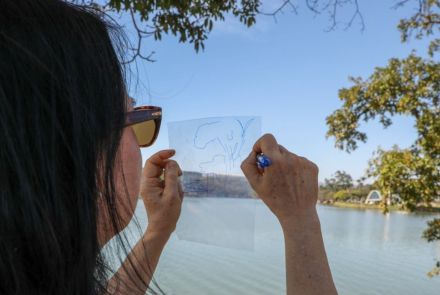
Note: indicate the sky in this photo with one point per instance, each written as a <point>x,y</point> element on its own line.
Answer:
<point>287,71</point>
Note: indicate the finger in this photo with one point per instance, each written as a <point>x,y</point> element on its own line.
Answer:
<point>266,144</point>
<point>171,178</point>
<point>180,170</point>
<point>180,189</point>
<point>156,163</point>
<point>250,168</point>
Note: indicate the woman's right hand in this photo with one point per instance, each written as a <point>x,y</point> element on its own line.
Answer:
<point>289,186</point>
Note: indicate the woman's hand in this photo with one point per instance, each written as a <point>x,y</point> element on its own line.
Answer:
<point>161,192</point>
<point>289,186</point>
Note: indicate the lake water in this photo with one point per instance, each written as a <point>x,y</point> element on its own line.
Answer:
<point>369,253</point>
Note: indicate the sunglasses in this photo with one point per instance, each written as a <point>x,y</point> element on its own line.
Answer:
<point>145,121</point>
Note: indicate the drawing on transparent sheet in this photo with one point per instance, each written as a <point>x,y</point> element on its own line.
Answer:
<point>210,152</point>
<point>230,140</point>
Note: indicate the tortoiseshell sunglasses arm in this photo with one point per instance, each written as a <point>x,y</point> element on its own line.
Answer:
<point>143,113</point>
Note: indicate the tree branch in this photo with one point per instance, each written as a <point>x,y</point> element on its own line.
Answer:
<point>193,20</point>
<point>141,34</point>
<point>280,10</point>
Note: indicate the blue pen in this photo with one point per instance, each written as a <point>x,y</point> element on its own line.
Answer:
<point>263,161</point>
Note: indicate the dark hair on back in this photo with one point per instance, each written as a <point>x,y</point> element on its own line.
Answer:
<point>62,113</point>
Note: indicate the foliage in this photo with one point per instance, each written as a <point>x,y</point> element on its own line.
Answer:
<point>192,21</point>
<point>424,23</point>
<point>360,192</point>
<point>406,173</point>
<point>432,233</point>
<point>343,195</point>
<point>189,20</point>
<point>435,271</point>
<point>341,180</point>
<point>409,87</point>
<point>340,188</point>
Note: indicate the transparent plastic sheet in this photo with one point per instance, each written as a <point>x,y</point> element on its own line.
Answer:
<point>210,152</point>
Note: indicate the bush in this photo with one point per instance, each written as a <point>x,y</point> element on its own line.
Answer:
<point>343,195</point>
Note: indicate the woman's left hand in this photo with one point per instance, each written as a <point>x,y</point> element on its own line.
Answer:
<point>162,192</point>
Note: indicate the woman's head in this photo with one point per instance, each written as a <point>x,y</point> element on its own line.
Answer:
<point>62,114</point>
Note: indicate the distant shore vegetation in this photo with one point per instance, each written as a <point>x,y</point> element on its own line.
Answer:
<point>196,184</point>
<point>341,191</point>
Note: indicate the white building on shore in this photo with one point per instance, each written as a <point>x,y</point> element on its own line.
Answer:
<point>375,197</point>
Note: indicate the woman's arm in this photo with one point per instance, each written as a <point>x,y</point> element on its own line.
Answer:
<point>162,195</point>
<point>289,187</point>
<point>307,269</point>
<point>135,274</point>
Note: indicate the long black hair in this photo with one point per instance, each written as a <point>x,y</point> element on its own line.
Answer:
<point>62,113</point>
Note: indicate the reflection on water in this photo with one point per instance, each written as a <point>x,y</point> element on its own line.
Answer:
<point>369,253</point>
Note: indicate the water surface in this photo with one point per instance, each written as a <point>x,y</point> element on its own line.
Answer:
<point>369,253</point>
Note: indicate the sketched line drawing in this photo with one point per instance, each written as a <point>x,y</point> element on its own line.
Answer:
<point>228,134</point>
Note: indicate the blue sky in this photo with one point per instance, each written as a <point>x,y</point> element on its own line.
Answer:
<point>288,72</point>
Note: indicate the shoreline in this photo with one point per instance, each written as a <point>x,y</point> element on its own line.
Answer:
<point>360,206</point>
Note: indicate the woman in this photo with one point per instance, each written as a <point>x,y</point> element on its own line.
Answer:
<point>71,165</point>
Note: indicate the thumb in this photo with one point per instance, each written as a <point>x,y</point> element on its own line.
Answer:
<point>172,172</point>
<point>251,170</point>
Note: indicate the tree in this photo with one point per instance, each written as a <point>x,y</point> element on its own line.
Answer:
<point>192,21</point>
<point>410,87</point>
<point>424,23</point>
<point>342,195</point>
<point>432,234</point>
<point>404,172</point>
<point>341,180</point>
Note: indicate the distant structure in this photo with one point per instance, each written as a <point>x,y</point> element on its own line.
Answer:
<point>374,197</point>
